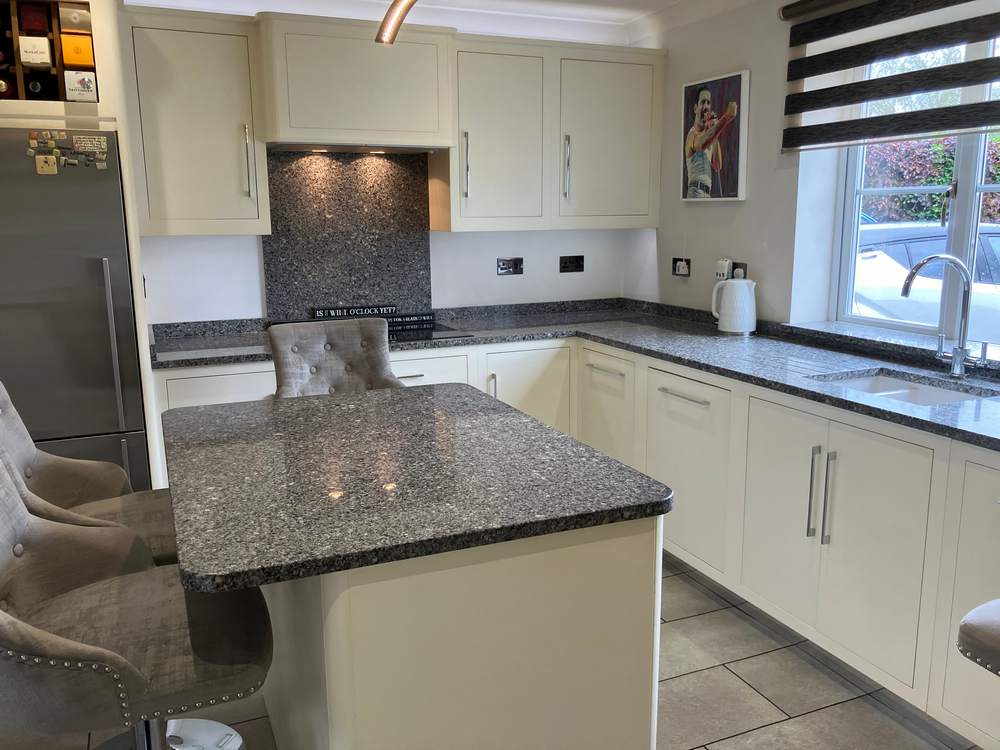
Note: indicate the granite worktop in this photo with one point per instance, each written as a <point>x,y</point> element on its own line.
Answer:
<point>331,483</point>
<point>786,359</point>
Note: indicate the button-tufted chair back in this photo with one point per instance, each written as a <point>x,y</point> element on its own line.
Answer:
<point>14,435</point>
<point>336,356</point>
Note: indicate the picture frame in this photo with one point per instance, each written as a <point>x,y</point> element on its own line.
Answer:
<point>717,172</point>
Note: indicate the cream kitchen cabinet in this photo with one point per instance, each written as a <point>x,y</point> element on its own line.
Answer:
<point>533,380</point>
<point>839,516</point>
<point>687,448</point>
<point>328,82</point>
<point>964,690</point>
<point>609,152</point>
<point>203,168</point>
<point>607,405</point>
<point>496,175</point>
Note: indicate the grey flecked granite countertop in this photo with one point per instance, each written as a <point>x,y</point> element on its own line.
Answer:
<point>773,363</point>
<point>273,490</point>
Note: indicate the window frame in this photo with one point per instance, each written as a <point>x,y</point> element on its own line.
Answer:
<point>963,221</point>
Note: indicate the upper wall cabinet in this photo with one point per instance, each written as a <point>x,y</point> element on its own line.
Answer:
<point>550,136</point>
<point>202,168</point>
<point>328,82</point>
<point>607,141</point>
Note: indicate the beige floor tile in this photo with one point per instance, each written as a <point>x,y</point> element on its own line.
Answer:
<point>673,565</point>
<point>795,682</point>
<point>860,724</point>
<point>712,639</point>
<point>707,706</point>
<point>682,597</point>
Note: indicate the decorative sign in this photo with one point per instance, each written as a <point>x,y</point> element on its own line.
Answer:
<point>370,311</point>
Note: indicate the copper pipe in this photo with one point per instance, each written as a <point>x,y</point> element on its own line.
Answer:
<point>393,20</point>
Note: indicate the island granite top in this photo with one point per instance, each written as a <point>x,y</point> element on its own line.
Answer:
<point>274,490</point>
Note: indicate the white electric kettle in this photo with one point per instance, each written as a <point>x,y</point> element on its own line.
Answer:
<point>737,313</point>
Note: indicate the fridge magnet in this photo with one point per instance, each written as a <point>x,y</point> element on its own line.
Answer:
<point>715,138</point>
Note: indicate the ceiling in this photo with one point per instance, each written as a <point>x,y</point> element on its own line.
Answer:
<point>578,20</point>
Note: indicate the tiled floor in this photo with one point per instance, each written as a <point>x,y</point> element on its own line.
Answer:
<point>731,678</point>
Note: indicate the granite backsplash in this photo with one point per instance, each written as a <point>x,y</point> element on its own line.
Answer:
<point>347,229</point>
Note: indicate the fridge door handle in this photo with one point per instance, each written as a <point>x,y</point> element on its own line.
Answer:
<point>126,462</point>
<point>109,302</point>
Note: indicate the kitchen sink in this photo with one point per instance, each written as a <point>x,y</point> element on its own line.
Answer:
<point>908,387</point>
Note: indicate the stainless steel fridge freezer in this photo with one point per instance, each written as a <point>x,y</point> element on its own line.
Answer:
<point>68,349</point>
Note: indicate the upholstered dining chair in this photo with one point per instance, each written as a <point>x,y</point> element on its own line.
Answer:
<point>94,489</point>
<point>331,356</point>
<point>94,637</point>
<point>979,636</point>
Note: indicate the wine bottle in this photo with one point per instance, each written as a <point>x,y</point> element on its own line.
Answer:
<point>8,84</point>
<point>40,85</point>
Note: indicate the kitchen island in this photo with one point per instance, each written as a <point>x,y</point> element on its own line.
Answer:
<point>442,571</point>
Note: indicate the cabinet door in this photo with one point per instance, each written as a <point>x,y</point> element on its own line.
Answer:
<point>687,448</point>
<point>197,125</point>
<point>784,488</point>
<point>971,692</point>
<point>535,381</point>
<point>873,540</point>
<point>500,135</point>
<point>606,138</point>
<point>607,405</point>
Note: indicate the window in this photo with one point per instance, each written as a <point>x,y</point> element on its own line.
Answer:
<point>908,199</point>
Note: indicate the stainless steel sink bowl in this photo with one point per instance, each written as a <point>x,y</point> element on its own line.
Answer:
<point>909,387</point>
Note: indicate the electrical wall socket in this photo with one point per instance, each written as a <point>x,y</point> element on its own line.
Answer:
<point>741,266</point>
<point>570,264</point>
<point>510,266</point>
<point>681,267</point>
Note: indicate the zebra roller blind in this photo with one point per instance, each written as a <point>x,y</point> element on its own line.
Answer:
<point>890,70</point>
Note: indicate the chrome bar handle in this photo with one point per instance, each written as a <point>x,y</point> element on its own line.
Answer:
<point>408,377</point>
<point>126,462</point>
<point>941,339</point>
<point>567,166</point>
<point>465,137</point>
<point>496,384</point>
<point>109,303</point>
<point>605,370</point>
<point>830,458</point>
<point>810,529</point>
<point>684,397</point>
<point>246,146</point>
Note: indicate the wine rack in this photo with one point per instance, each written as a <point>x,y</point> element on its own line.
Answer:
<point>39,72</point>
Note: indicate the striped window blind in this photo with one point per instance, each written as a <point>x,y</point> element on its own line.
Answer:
<point>876,70</point>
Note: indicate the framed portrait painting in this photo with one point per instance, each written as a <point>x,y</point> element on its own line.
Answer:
<point>715,138</point>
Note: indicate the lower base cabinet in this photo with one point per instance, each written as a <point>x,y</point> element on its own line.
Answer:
<point>838,515</point>
<point>535,381</point>
<point>970,692</point>
<point>687,447</point>
<point>607,405</point>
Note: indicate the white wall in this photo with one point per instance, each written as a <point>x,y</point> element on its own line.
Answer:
<point>760,230</point>
<point>202,278</point>
<point>463,266</point>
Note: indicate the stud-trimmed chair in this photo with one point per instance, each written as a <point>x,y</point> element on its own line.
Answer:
<point>331,356</point>
<point>979,636</point>
<point>94,489</point>
<point>94,637</point>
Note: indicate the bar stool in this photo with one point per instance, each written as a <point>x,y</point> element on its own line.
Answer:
<point>95,489</point>
<point>94,637</point>
<point>331,356</point>
<point>979,636</point>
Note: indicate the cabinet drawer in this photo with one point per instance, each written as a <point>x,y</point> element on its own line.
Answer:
<point>220,389</point>
<point>687,447</point>
<point>432,370</point>
<point>607,405</point>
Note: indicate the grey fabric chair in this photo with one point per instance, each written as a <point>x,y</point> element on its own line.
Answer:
<point>94,637</point>
<point>331,356</point>
<point>94,489</point>
<point>979,636</point>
